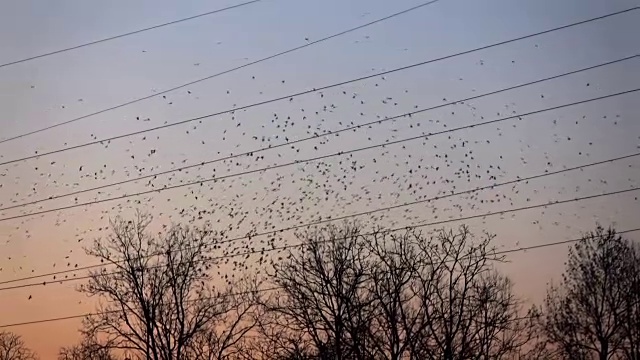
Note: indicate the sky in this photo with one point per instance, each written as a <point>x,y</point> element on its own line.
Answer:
<point>54,89</point>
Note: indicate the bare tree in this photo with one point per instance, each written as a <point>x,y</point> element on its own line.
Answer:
<point>157,300</point>
<point>225,337</point>
<point>537,348</point>
<point>500,330</point>
<point>275,341</point>
<point>469,309</point>
<point>594,310</point>
<point>631,320</point>
<point>396,328</point>
<point>393,295</point>
<point>87,349</point>
<point>12,347</point>
<point>321,309</point>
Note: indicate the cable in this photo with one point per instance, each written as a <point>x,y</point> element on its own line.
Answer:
<point>114,311</point>
<point>275,99</point>
<point>297,162</point>
<point>488,214</point>
<point>367,212</point>
<point>90,314</point>
<point>224,72</point>
<point>318,222</point>
<point>127,34</point>
<point>526,248</point>
<point>353,215</point>
<point>288,96</point>
<point>47,320</point>
<point>308,138</point>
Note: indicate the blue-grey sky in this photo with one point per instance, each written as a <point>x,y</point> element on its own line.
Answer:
<point>50,90</point>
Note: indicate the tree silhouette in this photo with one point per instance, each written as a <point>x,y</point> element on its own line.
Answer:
<point>392,295</point>
<point>398,323</point>
<point>470,311</point>
<point>631,323</point>
<point>158,300</point>
<point>87,349</point>
<point>322,307</point>
<point>12,347</point>
<point>594,310</point>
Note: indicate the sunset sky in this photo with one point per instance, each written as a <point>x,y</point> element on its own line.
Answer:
<point>57,88</point>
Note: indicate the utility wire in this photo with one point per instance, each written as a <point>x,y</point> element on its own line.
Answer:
<point>319,222</point>
<point>349,128</point>
<point>127,34</point>
<point>223,72</point>
<point>114,311</point>
<point>275,99</point>
<point>477,189</point>
<point>359,214</point>
<point>482,215</point>
<point>298,162</point>
<point>525,248</point>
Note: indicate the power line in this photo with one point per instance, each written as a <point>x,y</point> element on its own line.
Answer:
<point>127,34</point>
<point>482,215</point>
<point>319,222</point>
<point>224,72</point>
<point>275,99</point>
<point>492,186</point>
<point>349,128</point>
<point>297,162</point>
<point>114,311</point>
<point>525,248</point>
<point>359,214</point>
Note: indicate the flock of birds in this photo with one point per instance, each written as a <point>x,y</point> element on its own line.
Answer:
<point>258,175</point>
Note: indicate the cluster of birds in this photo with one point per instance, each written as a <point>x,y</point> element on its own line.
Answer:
<point>248,174</point>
